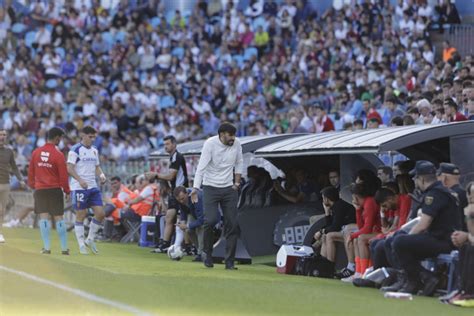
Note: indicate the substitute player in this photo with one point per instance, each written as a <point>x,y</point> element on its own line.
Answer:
<point>47,175</point>
<point>83,167</point>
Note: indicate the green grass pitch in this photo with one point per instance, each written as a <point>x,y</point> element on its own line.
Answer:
<point>154,284</point>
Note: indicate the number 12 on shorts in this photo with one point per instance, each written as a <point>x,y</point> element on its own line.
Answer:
<point>80,197</point>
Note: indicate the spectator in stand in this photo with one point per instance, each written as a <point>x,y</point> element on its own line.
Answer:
<point>451,111</point>
<point>321,121</point>
<point>308,62</point>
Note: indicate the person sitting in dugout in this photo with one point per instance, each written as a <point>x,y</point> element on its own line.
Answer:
<point>431,236</point>
<point>338,213</point>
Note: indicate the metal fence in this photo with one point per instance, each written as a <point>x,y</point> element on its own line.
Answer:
<point>461,36</point>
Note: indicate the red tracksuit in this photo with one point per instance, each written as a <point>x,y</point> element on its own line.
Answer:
<point>48,169</point>
<point>367,218</point>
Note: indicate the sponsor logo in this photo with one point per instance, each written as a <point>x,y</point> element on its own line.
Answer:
<point>45,164</point>
<point>44,156</point>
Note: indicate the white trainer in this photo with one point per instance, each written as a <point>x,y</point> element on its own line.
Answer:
<point>83,250</point>
<point>12,223</point>
<point>2,239</point>
<point>92,246</point>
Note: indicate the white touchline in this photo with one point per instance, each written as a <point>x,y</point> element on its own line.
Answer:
<point>77,292</point>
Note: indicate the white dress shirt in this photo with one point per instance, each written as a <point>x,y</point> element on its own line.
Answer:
<point>218,163</point>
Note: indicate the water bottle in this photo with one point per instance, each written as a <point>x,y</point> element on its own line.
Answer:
<point>400,296</point>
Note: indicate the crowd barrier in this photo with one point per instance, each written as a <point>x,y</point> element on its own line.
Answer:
<point>461,36</point>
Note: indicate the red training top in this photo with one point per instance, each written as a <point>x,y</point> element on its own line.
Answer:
<point>367,218</point>
<point>404,207</point>
<point>48,169</point>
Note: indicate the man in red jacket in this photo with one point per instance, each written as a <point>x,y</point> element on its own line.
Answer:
<point>48,176</point>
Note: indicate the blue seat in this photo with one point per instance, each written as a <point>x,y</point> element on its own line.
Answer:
<point>169,16</point>
<point>260,21</point>
<point>30,38</point>
<point>108,38</point>
<point>166,101</point>
<point>51,84</point>
<point>120,37</point>
<point>178,52</point>
<point>60,51</point>
<point>239,59</point>
<point>249,52</point>
<point>451,261</point>
<point>155,22</point>
<point>18,28</point>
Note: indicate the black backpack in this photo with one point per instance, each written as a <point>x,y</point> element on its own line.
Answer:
<point>314,266</point>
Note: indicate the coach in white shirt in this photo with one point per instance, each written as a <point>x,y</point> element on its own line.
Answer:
<point>219,171</point>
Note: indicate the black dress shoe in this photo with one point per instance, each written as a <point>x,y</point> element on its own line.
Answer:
<point>230,266</point>
<point>411,286</point>
<point>430,283</point>
<point>395,287</point>
<point>359,282</point>
<point>208,261</point>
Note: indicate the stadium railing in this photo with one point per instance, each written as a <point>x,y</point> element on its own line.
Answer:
<point>461,36</point>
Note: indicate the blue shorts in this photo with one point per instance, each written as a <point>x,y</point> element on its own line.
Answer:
<point>84,199</point>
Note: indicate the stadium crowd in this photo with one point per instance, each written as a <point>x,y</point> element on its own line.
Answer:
<point>137,72</point>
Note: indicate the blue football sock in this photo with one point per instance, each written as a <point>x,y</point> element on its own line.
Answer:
<point>45,227</point>
<point>62,233</point>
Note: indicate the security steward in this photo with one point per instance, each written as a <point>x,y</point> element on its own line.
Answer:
<point>449,174</point>
<point>431,236</point>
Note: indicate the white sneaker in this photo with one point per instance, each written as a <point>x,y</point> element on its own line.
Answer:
<point>357,275</point>
<point>2,239</point>
<point>12,223</point>
<point>83,250</point>
<point>91,244</point>
<point>348,279</point>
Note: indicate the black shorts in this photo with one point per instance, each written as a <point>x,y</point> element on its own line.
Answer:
<point>49,201</point>
<point>173,203</point>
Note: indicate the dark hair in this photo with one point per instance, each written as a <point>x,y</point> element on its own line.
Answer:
<point>383,194</point>
<point>331,193</point>
<point>405,183</point>
<point>55,132</point>
<point>170,138</point>
<point>178,190</point>
<point>397,121</point>
<point>358,122</point>
<point>360,190</point>
<point>227,127</point>
<point>393,186</point>
<point>370,181</point>
<point>437,102</point>
<point>413,110</point>
<point>387,170</point>
<point>408,120</point>
<point>89,130</point>
<point>116,178</point>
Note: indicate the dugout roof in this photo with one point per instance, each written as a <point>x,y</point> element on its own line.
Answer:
<point>249,145</point>
<point>415,141</point>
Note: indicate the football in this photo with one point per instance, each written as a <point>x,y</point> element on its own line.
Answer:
<point>175,253</point>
